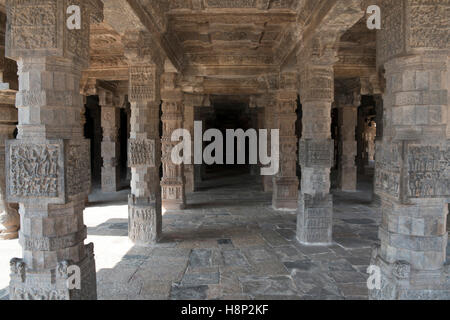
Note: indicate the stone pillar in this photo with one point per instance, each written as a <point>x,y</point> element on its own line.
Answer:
<point>285,183</point>
<point>128,113</point>
<point>376,200</point>
<point>48,167</point>
<point>9,216</point>
<point>144,205</point>
<point>252,114</point>
<point>267,102</point>
<point>361,142</point>
<point>314,221</point>
<point>189,171</point>
<point>348,116</point>
<point>110,120</point>
<point>173,181</point>
<point>412,176</point>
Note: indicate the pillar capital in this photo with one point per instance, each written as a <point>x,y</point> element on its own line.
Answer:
<point>348,93</point>
<point>412,27</point>
<point>39,29</point>
<point>141,49</point>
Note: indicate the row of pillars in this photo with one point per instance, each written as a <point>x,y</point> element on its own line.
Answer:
<point>411,170</point>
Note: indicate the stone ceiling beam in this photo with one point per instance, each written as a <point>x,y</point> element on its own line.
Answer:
<point>171,48</point>
<point>330,16</point>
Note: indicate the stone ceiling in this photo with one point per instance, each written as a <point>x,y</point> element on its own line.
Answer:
<point>225,38</point>
<point>230,44</point>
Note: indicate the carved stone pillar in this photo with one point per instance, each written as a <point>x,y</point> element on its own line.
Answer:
<point>9,216</point>
<point>413,159</point>
<point>110,120</point>
<point>267,102</point>
<point>347,104</point>
<point>361,157</point>
<point>188,119</point>
<point>285,183</point>
<point>144,145</point>
<point>128,113</point>
<point>252,113</point>
<point>145,220</point>
<point>314,221</point>
<point>48,166</point>
<point>173,181</point>
<point>378,139</point>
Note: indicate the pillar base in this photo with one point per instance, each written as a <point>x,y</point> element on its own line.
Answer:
<point>348,179</point>
<point>53,284</point>
<point>144,220</point>
<point>400,282</point>
<point>376,200</point>
<point>174,205</point>
<point>315,219</point>
<point>268,183</point>
<point>110,179</point>
<point>285,194</point>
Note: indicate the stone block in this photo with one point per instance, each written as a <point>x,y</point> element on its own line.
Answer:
<point>314,219</point>
<point>144,219</point>
<point>53,284</point>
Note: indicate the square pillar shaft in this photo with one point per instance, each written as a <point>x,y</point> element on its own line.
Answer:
<point>48,166</point>
<point>285,183</point>
<point>144,149</point>
<point>315,212</point>
<point>412,176</point>
<point>110,120</point>
<point>173,181</point>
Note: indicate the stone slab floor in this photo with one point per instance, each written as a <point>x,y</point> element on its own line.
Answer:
<point>228,244</point>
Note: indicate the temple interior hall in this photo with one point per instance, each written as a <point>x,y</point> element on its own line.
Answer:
<point>355,117</point>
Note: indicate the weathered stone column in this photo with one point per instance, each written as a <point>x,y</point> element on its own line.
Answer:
<point>48,166</point>
<point>173,181</point>
<point>267,102</point>
<point>9,216</point>
<point>188,119</point>
<point>314,221</point>
<point>376,200</point>
<point>110,120</point>
<point>413,159</point>
<point>347,103</point>
<point>144,145</point>
<point>285,183</point>
<point>128,112</point>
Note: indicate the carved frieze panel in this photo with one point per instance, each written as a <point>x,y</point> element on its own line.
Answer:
<point>142,83</point>
<point>408,25</point>
<point>78,173</point>
<point>35,171</point>
<point>318,153</point>
<point>317,83</point>
<point>141,152</point>
<point>428,171</point>
<point>38,28</point>
<point>430,26</point>
<point>231,3</point>
<point>388,169</point>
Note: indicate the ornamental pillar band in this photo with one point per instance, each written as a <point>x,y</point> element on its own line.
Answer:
<point>50,141</point>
